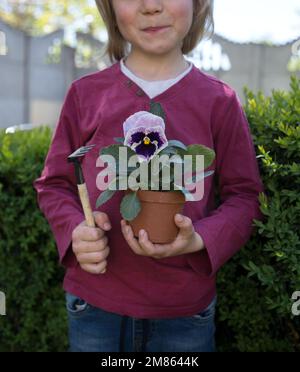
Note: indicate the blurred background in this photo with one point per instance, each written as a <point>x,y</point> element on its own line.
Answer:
<point>45,45</point>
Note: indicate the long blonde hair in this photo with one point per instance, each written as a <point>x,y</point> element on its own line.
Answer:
<point>116,46</point>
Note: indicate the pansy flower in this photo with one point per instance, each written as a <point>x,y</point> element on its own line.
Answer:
<point>145,134</point>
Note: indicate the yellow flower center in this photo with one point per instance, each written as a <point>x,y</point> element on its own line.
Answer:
<point>147,141</point>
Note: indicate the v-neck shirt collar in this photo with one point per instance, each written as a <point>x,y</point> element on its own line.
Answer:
<point>140,87</point>
<point>153,88</point>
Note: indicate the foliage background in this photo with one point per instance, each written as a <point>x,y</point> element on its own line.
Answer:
<point>40,17</point>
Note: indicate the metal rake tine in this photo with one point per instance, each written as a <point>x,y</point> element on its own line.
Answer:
<point>77,155</point>
<point>85,149</point>
<point>80,153</point>
<point>82,150</point>
<point>89,147</point>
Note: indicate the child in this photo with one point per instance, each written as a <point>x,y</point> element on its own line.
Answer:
<point>125,293</point>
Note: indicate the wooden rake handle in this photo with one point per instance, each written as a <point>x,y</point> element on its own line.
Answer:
<point>85,201</point>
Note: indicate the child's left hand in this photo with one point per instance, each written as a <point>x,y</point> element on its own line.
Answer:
<point>187,240</point>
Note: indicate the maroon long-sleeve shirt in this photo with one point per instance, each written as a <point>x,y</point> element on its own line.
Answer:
<point>199,109</point>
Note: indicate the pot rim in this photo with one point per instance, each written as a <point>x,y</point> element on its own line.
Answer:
<point>166,197</point>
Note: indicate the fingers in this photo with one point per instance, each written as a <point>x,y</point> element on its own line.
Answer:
<point>155,251</point>
<point>185,224</point>
<point>143,246</point>
<point>89,244</point>
<point>90,247</point>
<point>95,268</point>
<point>86,233</point>
<point>102,221</point>
<point>93,257</point>
<point>129,237</point>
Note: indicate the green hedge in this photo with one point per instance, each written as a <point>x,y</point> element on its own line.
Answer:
<point>29,274</point>
<point>257,286</point>
<point>254,289</point>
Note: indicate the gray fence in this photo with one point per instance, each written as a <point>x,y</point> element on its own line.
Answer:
<point>35,72</point>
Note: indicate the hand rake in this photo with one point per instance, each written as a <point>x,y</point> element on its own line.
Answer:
<point>82,189</point>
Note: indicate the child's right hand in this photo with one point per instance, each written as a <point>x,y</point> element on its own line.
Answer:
<point>90,244</point>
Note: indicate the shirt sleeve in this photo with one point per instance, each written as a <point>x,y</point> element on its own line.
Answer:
<point>56,188</point>
<point>228,228</point>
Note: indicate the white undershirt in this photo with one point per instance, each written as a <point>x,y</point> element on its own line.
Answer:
<point>153,88</point>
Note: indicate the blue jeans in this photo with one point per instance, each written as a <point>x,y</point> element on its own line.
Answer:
<point>94,330</point>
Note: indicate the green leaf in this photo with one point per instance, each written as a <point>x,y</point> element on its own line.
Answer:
<point>198,177</point>
<point>194,150</point>
<point>113,187</point>
<point>186,193</point>
<point>156,109</point>
<point>130,206</point>
<point>130,152</point>
<point>126,172</point>
<point>112,150</point>
<point>120,140</point>
<point>177,144</point>
<point>168,151</point>
<point>104,197</point>
<point>209,154</point>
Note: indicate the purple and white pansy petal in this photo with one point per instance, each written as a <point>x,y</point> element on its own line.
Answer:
<point>146,142</point>
<point>145,134</point>
<point>143,119</point>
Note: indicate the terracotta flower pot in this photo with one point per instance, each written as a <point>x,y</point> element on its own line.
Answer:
<point>157,215</point>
